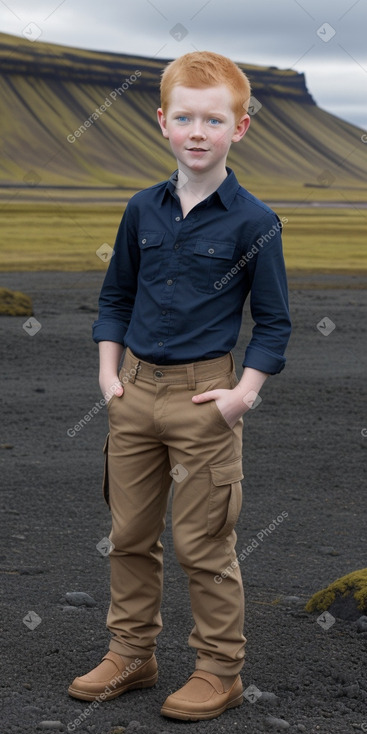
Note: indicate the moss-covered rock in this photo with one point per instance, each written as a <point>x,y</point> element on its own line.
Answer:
<point>15,303</point>
<point>345,598</point>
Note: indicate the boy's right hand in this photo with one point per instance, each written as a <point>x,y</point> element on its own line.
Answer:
<point>109,359</point>
<point>110,386</point>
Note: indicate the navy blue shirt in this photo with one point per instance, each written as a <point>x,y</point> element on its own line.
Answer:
<point>175,286</point>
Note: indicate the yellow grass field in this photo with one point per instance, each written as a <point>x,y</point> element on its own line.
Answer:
<point>55,236</point>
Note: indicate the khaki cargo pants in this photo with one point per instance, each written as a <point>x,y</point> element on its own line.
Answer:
<point>157,434</point>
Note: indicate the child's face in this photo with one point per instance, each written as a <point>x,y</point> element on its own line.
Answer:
<point>201,118</point>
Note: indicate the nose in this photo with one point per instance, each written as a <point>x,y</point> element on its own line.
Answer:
<point>197,131</point>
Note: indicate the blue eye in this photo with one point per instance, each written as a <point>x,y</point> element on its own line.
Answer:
<point>214,119</point>
<point>181,117</point>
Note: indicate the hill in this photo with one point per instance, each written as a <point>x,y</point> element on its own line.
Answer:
<point>76,118</point>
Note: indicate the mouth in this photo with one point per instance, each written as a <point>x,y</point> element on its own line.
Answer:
<point>197,150</point>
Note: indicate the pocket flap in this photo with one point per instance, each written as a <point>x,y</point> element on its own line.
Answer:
<point>150,239</point>
<point>210,248</point>
<point>227,473</point>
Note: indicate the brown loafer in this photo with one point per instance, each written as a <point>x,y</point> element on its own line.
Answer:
<point>202,697</point>
<point>113,676</point>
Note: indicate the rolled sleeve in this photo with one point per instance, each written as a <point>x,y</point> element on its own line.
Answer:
<point>269,302</point>
<point>117,297</point>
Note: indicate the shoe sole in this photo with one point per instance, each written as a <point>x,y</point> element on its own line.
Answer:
<point>87,696</point>
<point>191,716</point>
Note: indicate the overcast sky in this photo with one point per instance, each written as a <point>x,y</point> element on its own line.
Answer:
<point>326,39</point>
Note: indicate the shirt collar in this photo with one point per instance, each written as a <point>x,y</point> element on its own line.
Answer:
<point>225,192</point>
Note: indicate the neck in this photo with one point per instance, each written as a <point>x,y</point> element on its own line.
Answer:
<point>197,185</point>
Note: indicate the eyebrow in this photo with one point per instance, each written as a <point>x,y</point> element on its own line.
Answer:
<point>211,114</point>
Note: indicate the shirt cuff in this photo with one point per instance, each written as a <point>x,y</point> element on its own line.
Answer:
<point>264,361</point>
<point>109,331</point>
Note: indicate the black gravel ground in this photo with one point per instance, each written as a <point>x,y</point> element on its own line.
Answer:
<point>303,455</point>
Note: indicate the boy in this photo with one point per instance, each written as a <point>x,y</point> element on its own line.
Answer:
<point>187,254</point>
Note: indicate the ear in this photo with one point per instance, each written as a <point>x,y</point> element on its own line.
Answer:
<point>162,122</point>
<point>241,128</point>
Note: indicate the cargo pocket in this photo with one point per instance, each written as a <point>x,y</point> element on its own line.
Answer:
<point>105,485</point>
<point>225,499</point>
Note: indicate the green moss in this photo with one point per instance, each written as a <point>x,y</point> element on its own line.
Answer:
<point>15,303</point>
<point>353,583</point>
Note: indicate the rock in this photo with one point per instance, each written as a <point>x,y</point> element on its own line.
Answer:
<point>362,624</point>
<point>291,600</point>
<point>79,599</point>
<point>55,725</point>
<point>15,303</point>
<point>277,724</point>
<point>132,727</point>
<point>268,697</point>
<point>350,691</point>
<point>31,571</point>
<point>345,598</point>
<point>345,607</point>
<point>328,550</point>
<point>28,686</point>
<point>301,727</point>
<point>117,730</point>
<point>342,676</point>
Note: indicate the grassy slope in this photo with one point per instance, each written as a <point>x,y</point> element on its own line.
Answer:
<point>291,141</point>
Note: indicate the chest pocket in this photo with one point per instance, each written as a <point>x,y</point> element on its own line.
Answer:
<point>150,253</point>
<point>211,261</point>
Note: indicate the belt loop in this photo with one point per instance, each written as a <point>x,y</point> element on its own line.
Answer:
<point>134,371</point>
<point>191,383</point>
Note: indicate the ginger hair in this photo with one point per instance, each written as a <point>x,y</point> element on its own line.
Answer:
<point>201,69</point>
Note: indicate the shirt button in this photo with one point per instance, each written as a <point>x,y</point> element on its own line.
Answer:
<point>169,282</point>
<point>143,241</point>
<point>177,219</point>
<point>158,373</point>
<point>163,313</point>
<point>160,344</point>
<point>211,251</point>
<point>177,246</point>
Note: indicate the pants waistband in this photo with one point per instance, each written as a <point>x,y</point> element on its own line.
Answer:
<point>134,368</point>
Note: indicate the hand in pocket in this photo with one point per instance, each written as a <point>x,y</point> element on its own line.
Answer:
<point>111,387</point>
